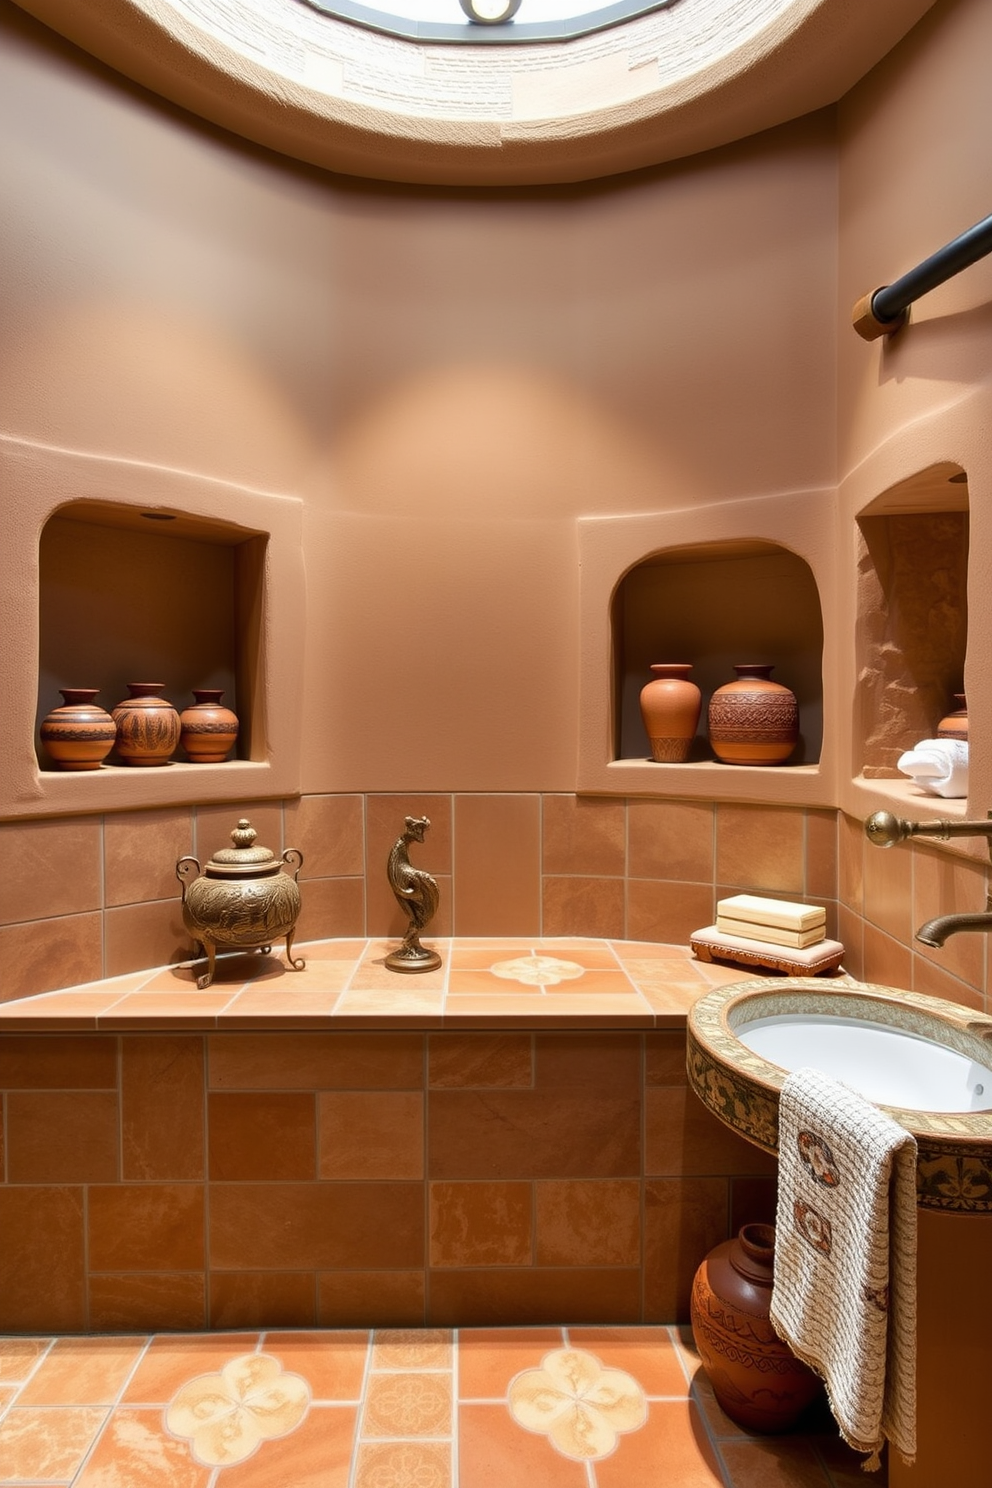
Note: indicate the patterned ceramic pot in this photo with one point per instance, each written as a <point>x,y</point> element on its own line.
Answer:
<point>80,735</point>
<point>147,726</point>
<point>955,725</point>
<point>755,1376</point>
<point>208,730</point>
<point>753,721</point>
<point>670,708</point>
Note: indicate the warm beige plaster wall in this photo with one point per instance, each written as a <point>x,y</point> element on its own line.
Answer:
<point>913,174</point>
<point>447,378</point>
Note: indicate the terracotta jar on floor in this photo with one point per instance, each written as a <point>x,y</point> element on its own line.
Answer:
<point>209,730</point>
<point>79,735</point>
<point>756,1378</point>
<point>147,726</point>
<point>753,721</point>
<point>670,708</point>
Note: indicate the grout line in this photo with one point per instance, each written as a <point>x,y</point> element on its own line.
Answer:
<point>455,1433</point>
<point>113,1407</point>
<point>360,1412</point>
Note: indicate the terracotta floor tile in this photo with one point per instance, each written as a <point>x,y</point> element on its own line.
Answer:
<point>171,1359</point>
<point>778,1462</point>
<point>596,981</point>
<point>316,1455</point>
<point>136,1451</point>
<point>83,1371</point>
<point>483,982</point>
<point>494,1452</point>
<point>412,1348</point>
<point>350,951</point>
<point>7,1394</point>
<point>649,1354</point>
<point>480,957</point>
<point>418,1464</point>
<point>19,1356</point>
<point>48,1444</point>
<point>408,1405</point>
<point>141,1010</point>
<point>374,976</point>
<point>421,1007</point>
<point>488,1358</point>
<point>672,1446</point>
<point>332,1362</point>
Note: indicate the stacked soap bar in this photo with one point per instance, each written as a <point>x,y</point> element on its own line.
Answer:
<point>775,921</point>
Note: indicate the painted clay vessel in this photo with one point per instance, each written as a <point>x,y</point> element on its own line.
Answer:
<point>242,900</point>
<point>755,1376</point>
<point>208,730</point>
<point>670,708</point>
<point>955,725</point>
<point>753,721</point>
<point>79,735</point>
<point>147,726</point>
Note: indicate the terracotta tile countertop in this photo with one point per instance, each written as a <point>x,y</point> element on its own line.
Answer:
<point>529,982</point>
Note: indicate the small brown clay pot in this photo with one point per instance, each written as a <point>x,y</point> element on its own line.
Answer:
<point>955,725</point>
<point>753,721</point>
<point>80,735</point>
<point>670,708</point>
<point>147,726</point>
<point>209,730</point>
<point>756,1378</point>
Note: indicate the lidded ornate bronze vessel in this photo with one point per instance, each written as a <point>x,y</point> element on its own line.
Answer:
<point>242,901</point>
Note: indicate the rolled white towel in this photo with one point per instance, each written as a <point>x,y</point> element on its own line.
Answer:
<point>939,766</point>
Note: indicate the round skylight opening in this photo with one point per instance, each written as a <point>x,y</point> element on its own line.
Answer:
<point>504,21</point>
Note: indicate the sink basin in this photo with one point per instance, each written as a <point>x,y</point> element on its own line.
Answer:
<point>888,1065</point>
<point>927,1062</point>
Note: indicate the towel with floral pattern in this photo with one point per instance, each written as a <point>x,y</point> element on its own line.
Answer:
<point>844,1294</point>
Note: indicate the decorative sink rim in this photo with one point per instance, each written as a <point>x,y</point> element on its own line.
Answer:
<point>954,1164</point>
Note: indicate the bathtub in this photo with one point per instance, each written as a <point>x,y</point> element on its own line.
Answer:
<point>509,1139</point>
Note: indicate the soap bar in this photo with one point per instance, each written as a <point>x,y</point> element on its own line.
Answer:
<point>772,934</point>
<point>780,912</point>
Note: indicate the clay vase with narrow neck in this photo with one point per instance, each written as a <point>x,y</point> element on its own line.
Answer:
<point>756,1378</point>
<point>753,721</point>
<point>79,735</point>
<point>670,708</point>
<point>208,730</point>
<point>147,726</point>
<point>955,725</point>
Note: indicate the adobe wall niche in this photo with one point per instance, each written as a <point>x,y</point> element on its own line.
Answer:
<point>912,628</point>
<point>95,595</point>
<point>755,575</point>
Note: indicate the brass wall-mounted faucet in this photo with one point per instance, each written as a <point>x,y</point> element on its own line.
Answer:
<point>885,830</point>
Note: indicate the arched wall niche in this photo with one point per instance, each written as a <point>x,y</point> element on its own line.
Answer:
<point>912,613</point>
<point>757,583</point>
<point>714,605</point>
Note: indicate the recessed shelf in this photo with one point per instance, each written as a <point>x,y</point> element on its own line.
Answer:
<point>213,596</point>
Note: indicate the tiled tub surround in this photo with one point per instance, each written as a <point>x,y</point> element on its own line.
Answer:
<point>94,896</point>
<point>440,1408</point>
<point>328,1147</point>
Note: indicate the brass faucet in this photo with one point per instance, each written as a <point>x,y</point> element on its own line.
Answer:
<point>885,830</point>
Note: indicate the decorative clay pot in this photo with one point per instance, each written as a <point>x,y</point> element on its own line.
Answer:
<point>80,735</point>
<point>147,726</point>
<point>670,707</point>
<point>209,731</point>
<point>955,725</point>
<point>756,1378</point>
<point>243,900</point>
<point>753,721</point>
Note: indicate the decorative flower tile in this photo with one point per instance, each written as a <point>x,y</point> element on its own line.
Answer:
<point>226,1416</point>
<point>537,971</point>
<point>579,1405</point>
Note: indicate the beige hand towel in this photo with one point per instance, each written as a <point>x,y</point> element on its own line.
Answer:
<point>844,1295</point>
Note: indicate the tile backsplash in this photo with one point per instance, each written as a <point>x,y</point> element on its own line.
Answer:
<point>96,896</point>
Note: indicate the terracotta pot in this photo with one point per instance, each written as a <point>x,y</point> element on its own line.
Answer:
<point>209,730</point>
<point>755,1376</point>
<point>955,725</point>
<point>80,735</point>
<point>147,726</point>
<point>753,721</point>
<point>670,707</point>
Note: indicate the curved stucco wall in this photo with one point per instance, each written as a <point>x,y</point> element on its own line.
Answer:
<point>694,75</point>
